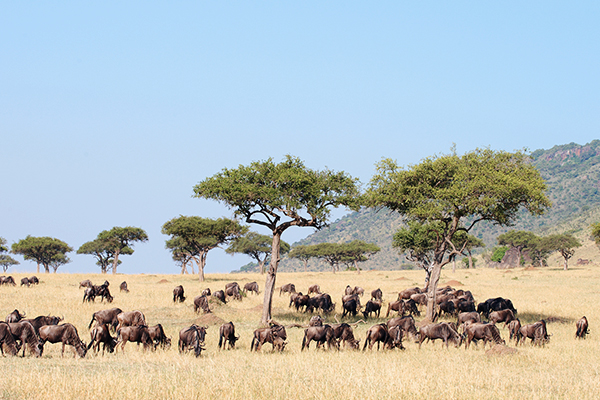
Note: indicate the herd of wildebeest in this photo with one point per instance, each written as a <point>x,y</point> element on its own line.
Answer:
<point>19,332</point>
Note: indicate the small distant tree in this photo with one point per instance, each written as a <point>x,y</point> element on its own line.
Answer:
<point>565,244</point>
<point>358,251</point>
<point>194,237</point>
<point>519,240</point>
<point>256,246</point>
<point>6,261</point>
<point>331,253</point>
<point>120,240</point>
<point>103,251</point>
<point>303,253</point>
<point>596,233</point>
<point>46,251</point>
<point>540,249</point>
<point>498,253</point>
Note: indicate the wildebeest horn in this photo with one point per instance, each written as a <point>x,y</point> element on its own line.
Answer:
<point>205,327</point>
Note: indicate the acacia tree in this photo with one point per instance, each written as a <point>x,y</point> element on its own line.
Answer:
<point>256,246</point>
<point>482,185</point>
<point>6,261</point>
<point>596,233</point>
<point>520,240</point>
<point>279,196</point>
<point>565,244</point>
<point>331,253</point>
<point>119,241</point>
<point>46,251</point>
<point>303,253</point>
<point>358,251</point>
<point>468,243</point>
<point>103,251</point>
<point>196,236</point>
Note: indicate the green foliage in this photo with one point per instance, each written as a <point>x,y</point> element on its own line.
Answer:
<point>50,252</point>
<point>465,261</point>
<point>565,244</point>
<point>6,261</point>
<point>518,239</point>
<point>339,253</point>
<point>119,240</point>
<point>498,253</point>
<point>596,233</point>
<point>257,246</point>
<point>103,251</point>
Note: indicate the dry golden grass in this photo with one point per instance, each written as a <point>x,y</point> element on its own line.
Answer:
<point>566,368</point>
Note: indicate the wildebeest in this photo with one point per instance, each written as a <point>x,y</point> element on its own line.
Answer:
<point>24,332</point>
<point>287,288</point>
<point>192,338</point>
<point>34,280</point>
<point>482,331</point>
<point>316,320</point>
<point>348,291</point>
<point>354,296</point>
<point>14,316</point>
<point>201,302</point>
<point>108,317</point>
<point>322,302</point>
<point>377,294</point>
<point>25,281</point>
<point>419,298</point>
<point>299,300</point>
<point>227,334</point>
<point>582,328</point>
<point>495,304</point>
<point>463,305</point>
<point>440,330</point>
<point>372,307</point>
<point>447,307</point>
<point>407,324</point>
<point>536,332</point>
<point>320,334</point>
<point>7,280</point>
<point>137,334</point>
<point>514,327</point>
<point>123,287</point>
<point>233,290</point>
<point>7,340</point>
<point>472,316</point>
<point>251,287</point>
<point>131,318</point>
<point>376,334</point>
<point>350,307</point>
<point>397,306</point>
<point>101,334</point>
<point>502,316</point>
<point>64,333</point>
<point>85,283</point>
<point>395,334</point>
<point>343,333</point>
<point>219,294</point>
<point>275,334</point>
<point>206,292</point>
<point>89,294</point>
<point>406,293</point>
<point>314,289</point>
<point>42,320</point>
<point>410,307</point>
<point>158,336</point>
<point>178,294</point>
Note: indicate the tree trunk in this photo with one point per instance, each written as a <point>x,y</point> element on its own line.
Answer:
<point>566,264</point>
<point>115,261</point>
<point>201,263</point>
<point>454,265</point>
<point>184,268</point>
<point>305,265</point>
<point>261,266</point>
<point>471,266</point>
<point>357,268</point>
<point>38,267</point>
<point>271,275</point>
<point>46,268</point>
<point>431,291</point>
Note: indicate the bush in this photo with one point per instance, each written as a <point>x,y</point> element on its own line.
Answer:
<point>498,253</point>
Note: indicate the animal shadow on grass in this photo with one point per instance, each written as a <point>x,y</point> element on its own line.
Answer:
<point>530,318</point>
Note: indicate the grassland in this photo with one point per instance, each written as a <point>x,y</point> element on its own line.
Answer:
<point>566,368</point>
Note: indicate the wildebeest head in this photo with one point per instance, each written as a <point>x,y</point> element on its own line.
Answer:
<point>14,316</point>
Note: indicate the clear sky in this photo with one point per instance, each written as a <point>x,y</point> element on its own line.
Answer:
<point>110,112</point>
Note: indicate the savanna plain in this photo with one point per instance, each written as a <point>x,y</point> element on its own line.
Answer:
<point>564,368</point>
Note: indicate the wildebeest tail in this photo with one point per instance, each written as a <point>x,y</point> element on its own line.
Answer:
<point>304,339</point>
<point>253,341</point>
<point>220,339</point>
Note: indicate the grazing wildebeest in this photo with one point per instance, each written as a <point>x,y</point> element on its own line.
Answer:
<point>372,307</point>
<point>410,306</point>
<point>502,316</point>
<point>394,338</point>
<point>447,307</point>
<point>192,337</point>
<point>25,281</point>
<point>287,288</point>
<point>358,291</point>
<point>350,307</point>
<point>123,287</point>
<point>7,280</point>
<point>14,316</point>
<point>477,331</point>
<point>275,334</point>
<point>442,331</point>
<point>24,332</point>
<point>465,306</point>
<point>7,340</point>
<point>34,280</point>
<point>495,304</point>
<point>227,334</point>
<point>320,334</point>
<point>64,333</point>
<point>300,300</point>
<point>536,332</point>
<point>472,316</point>
<point>137,333</point>
<point>376,334</point>
<point>178,294</point>
<point>347,297</point>
<point>206,292</point>
<point>89,294</point>
<point>131,318</point>
<point>397,306</point>
<point>314,289</point>
<point>103,292</point>
<point>101,334</point>
<point>158,336</point>
<point>42,320</point>
<point>407,324</point>
<point>419,298</point>
<point>201,302</point>
<point>343,333</point>
<point>233,290</point>
<point>108,317</point>
<point>315,320</point>
<point>219,294</point>
<point>251,287</point>
<point>582,328</point>
<point>377,294</point>
<point>322,302</point>
<point>85,283</point>
<point>514,327</point>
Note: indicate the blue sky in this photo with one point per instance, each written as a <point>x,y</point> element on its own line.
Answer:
<point>110,112</point>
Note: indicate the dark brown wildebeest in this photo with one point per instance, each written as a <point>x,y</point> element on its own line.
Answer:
<point>192,338</point>
<point>7,280</point>
<point>42,320</point>
<point>64,333</point>
<point>472,316</point>
<point>354,296</point>
<point>582,328</point>
<point>157,335</point>
<point>137,334</point>
<point>123,287</point>
<point>7,340</point>
<point>34,280</point>
<point>233,290</point>
<point>251,287</point>
<point>275,334</point>
<point>206,292</point>
<point>419,298</point>
<point>24,332</point>
<point>300,300</point>
<point>14,316</point>
<point>495,304</point>
<point>103,292</point>
<point>376,334</point>
<point>219,294</point>
<point>314,289</point>
<point>447,307</point>
<point>406,293</point>
<point>178,294</point>
<point>536,332</point>
<point>410,306</point>
<point>85,283</point>
<point>322,302</point>
<point>100,334</point>
<point>227,334</point>
<point>395,334</point>
<point>465,306</point>
<point>320,334</point>
<point>397,306</point>
<point>482,331</point>
<point>407,324</point>
<point>201,302</point>
<point>514,327</point>
<point>502,316</point>
<point>350,307</point>
<point>25,281</point>
<point>131,318</point>
<point>315,320</point>
<point>377,294</point>
<point>442,331</point>
<point>287,288</point>
<point>108,317</point>
<point>343,333</point>
<point>89,294</point>
<point>372,306</point>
